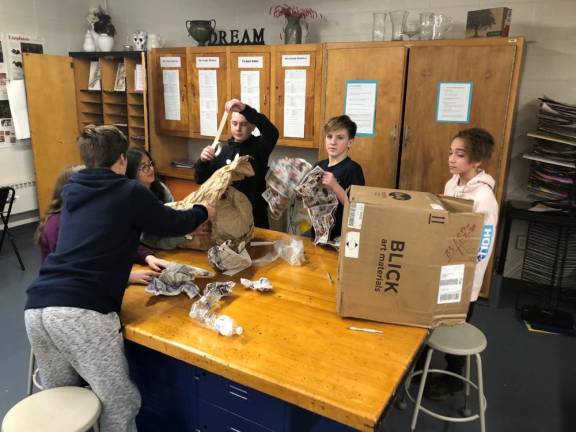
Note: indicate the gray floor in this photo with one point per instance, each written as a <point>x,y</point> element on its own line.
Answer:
<point>530,379</point>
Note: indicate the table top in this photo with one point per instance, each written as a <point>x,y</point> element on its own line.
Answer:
<point>294,347</point>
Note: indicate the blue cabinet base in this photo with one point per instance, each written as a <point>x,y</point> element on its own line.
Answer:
<point>178,397</point>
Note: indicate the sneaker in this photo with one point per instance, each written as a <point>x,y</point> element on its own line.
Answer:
<point>442,386</point>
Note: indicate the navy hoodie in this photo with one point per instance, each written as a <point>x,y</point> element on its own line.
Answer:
<point>103,215</point>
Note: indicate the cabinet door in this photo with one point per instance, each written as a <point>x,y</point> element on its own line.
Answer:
<point>169,72</point>
<point>378,154</point>
<point>250,77</point>
<point>208,83</point>
<point>426,142</point>
<point>297,93</point>
<point>50,83</point>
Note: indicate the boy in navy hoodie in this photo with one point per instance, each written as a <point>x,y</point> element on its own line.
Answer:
<point>72,308</point>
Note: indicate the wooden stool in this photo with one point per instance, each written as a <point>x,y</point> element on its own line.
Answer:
<point>462,340</point>
<point>60,409</point>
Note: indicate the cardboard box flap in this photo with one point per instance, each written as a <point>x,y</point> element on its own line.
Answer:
<point>395,198</point>
<point>456,205</point>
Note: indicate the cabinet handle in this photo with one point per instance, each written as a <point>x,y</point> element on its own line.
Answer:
<point>406,136</point>
<point>237,395</point>
<point>394,135</point>
<point>238,389</point>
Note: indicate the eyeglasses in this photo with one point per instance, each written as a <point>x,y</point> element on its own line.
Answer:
<point>146,167</point>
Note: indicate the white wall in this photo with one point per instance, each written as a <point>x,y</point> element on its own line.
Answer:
<point>62,24</point>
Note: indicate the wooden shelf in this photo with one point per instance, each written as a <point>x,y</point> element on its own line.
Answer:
<point>538,158</point>
<point>105,54</point>
<point>549,137</point>
<point>181,173</point>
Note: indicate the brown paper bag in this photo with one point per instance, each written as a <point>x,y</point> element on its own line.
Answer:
<point>234,220</point>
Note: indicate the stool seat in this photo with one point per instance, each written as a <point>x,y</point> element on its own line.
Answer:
<point>60,409</point>
<point>462,339</point>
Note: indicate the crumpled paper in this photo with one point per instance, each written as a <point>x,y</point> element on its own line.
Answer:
<point>320,201</point>
<point>177,278</point>
<point>229,259</point>
<point>262,284</point>
<point>281,180</point>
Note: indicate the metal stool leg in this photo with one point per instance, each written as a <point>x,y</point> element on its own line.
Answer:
<point>466,411</point>
<point>29,381</point>
<point>481,393</point>
<point>401,403</point>
<point>421,389</point>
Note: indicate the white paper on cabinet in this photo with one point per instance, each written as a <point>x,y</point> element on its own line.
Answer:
<point>294,103</point>
<point>361,105</point>
<point>250,91</point>
<point>454,102</point>
<point>139,78</point>
<point>171,82</point>
<point>250,88</point>
<point>208,83</point>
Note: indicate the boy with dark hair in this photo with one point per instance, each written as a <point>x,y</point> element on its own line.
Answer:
<point>469,149</point>
<point>72,308</point>
<point>340,171</point>
<point>243,121</point>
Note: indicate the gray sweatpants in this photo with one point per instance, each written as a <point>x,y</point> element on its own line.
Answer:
<point>70,343</point>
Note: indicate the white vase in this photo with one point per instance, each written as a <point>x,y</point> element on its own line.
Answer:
<point>95,39</point>
<point>105,42</point>
<point>89,45</point>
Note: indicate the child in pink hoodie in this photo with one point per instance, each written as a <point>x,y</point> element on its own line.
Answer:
<point>468,150</point>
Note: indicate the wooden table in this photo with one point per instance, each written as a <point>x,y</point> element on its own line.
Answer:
<point>295,347</point>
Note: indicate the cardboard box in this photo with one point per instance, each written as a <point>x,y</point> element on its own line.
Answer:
<point>407,257</point>
<point>488,22</point>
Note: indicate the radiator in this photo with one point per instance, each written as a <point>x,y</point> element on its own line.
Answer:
<point>25,197</point>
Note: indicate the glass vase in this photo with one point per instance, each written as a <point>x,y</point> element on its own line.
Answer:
<point>379,26</point>
<point>398,18</point>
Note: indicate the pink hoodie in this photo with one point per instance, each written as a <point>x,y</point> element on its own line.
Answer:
<point>480,189</point>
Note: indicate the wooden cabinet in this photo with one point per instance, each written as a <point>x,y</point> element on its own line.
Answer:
<point>169,73</point>
<point>61,103</point>
<point>258,75</point>
<point>208,89</point>
<point>489,68</point>
<point>292,64</point>
<point>409,148</point>
<point>384,65</point>
<point>51,98</point>
<point>250,75</point>
<point>188,83</point>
